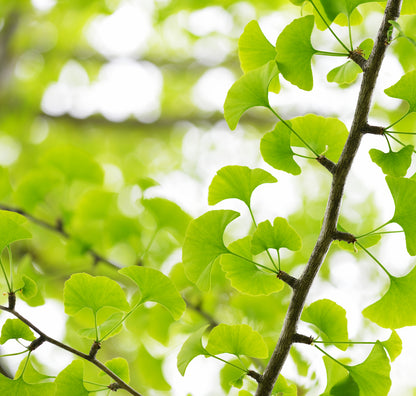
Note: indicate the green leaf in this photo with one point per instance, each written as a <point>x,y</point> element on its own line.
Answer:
<point>204,244</point>
<point>276,151</point>
<point>191,348</point>
<point>30,288</point>
<point>168,215</point>
<point>373,375</point>
<point>120,367</point>
<point>104,328</point>
<point>295,51</point>
<point>238,340</point>
<point>393,345</point>
<point>396,308</point>
<point>405,89</point>
<point>335,373</point>
<point>19,387</point>
<point>157,287</point>
<point>249,91</point>
<point>5,186</point>
<point>244,275</point>
<point>11,228</point>
<point>254,50</point>
<point>346,387</point>
<point>325,135</point>
<point>70,381</point>
<point>280,235</point>
<point>404,196</point>
<point>333,8</point>
<point>85,291</point>
<point>29,373</point>
<point>408,7</point>
<point>235,181</point>
<point>282,388</point>
<point>330,319</point>
<point>348,72</point>
<point>14,329</point>
<point>231,376</point>
<point>393,163</point>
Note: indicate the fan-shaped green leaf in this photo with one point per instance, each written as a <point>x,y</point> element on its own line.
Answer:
<point>325,135</point>
<point>70,381</point>
<point>12,228</point>
<point>346,387</point>
<point>120,367</point>
<point>397,307</point>
<point>191,348</point>
<point>404,195</point>
<point>29,373</point>
<point>237,340</point>
<point>276,151</point>
<point>330,319</point>
<point>393,163</point>
<point>157,287</point>
<point>235,181</point>
<point>244,275</point>
<point>280,235</point>
<point>295,51</point>
<point>393,345</point>
<point>336,374</point>
<point>30,288</point>
<point>104,328</point>
<point>19,387</point>
<point>249,91</point>
<point>333,8</point>
<point>85,291</point>
<point>14,329</point>
<point>405,89</point>
<point>204,244</point>
<point>232,376</point>
<point>282,388</point>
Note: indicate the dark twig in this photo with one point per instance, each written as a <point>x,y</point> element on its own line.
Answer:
<point>358,58</point>
<point>327,163</point>
<point>344,236</point>
<point>255,375</point>
<point>302,339</point>
<point>285,277</point>
<point>374,130</point>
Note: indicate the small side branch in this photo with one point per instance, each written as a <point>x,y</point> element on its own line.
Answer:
<point>302,339</point>
<point>285,277</point>
<point>254,374</point>
<point>344,236</point>
<point>372,129</point>
<point>327,163</point>
<point>36,343</point>
<point>95,347</point>
<point>357,57</point>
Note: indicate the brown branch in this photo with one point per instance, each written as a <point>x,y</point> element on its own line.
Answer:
<point>374,130</point>
<point>327,163</point>
<point>289,279</point>
<point>344,236</point>
<point>328,229</point>
<point>302,339</point>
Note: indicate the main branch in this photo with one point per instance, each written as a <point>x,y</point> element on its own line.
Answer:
<point>328,229</point>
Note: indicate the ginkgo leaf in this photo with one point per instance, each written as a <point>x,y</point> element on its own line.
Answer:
<point>12,228</point>
<point>393,345</point>
<point>104,328</point>
<point>336,374</point>
<point>295,51</point>
<point>276,151</point>
<point>244,275</point>
<point>30,288</point>
<point>120,367</point>
<point>238,340</point>
<point>254,50</point>
<point>191,348</point>
<point>14,329</point>
<point>235,181</point>
<point>231,376</point>
<point>29,373</point>
<point>70,381</point>
<point>346,387</point>
<point>404,195</point>
<point>85,291</point>
<point>282,388</point>
<point>325,135</point>
<point>157,287</point>
<point>280,235</point>
<point>333,8</point>
<point>393,163</point>
<point>19,387</point>
<point>405,89</point>
<point>397,307</point>
<point>204,244</point>
<point>330,319</point>
<point>249,91</point>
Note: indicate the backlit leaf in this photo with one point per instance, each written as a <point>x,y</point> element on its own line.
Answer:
<point>157,287</point>
<point>249,91</point>
<point>231,376</point>
<point>333,8</point>
<point>330,319</point>
<point>18,387</point>
<point>393,345</point>
<point>295,51</point>
<point>238,340</point>
<point>282,388</point>
<point>120,367</point>
<point>397,307</point>
<point>14,329</point>
<point>393,163</point>
<point>70,381</point>
<point>30,288</point>
<point>235,181</point>
<point>12,228</point>
<point>104,327</point>
<point>85,291</point>
<point>335,374</point>
<point>204,244</point>
<point>244,275</point>
<point>405,89</point>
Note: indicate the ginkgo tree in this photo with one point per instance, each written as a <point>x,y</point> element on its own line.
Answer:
<point>238,296</point>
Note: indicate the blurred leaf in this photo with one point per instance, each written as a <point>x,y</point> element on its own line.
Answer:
<point>157,287</point>
<point>204,244</point>
<point>235,181</point>
<point>12,229</point>
<point>5,186</point>
<point>333,8</point>
<point>231,376</point>
<point>393,163</point>
<point>405,89</point>
<point>14,329</point>
<point>104,327</point>
<point>70,381</point>
<point>282,388</point>
<point>120,367</point>
<point>30,289</point>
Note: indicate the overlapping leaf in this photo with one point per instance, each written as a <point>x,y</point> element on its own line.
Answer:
<point>397,307</point>
<point>393,163</point>
<point>104,328</point>
<point>12,228</point>
<point>334,8</point>
<point>330,319</point>
<point>70,381</point>
<point>235,181</point>
<point>204,244</point>
<point>393,345</point>
<point>249,91</point>
<point>14,329</point>
<point>120,367</point>
<point>405,89</point>
<point>295,51</point>
<point>19,387</point>
<point>191,348</point>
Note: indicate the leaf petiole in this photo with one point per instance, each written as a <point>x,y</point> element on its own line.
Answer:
<point>231,364</point>
<point>329,53</point>
<point>327,354</point>
<point>373,231</point>
<point>396,122</point>
<point>5,275</point>
<point>374,258</point>
<point>253,262</point>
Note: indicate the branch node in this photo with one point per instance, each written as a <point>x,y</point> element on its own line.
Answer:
<point>302,339</point>
<point>357,57</point>
<point>285,277</point>
<point>95,347</point>
<point>254,374</point>
<point>36,343</point>
<point>12,300</point>
<point>327,163</point>
<point>344,236</point>
<point>372,129</point>
<point>114,387</point>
